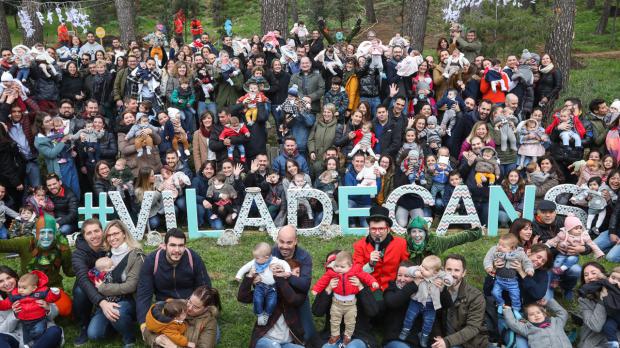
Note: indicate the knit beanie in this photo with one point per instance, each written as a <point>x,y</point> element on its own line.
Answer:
<point>443,160</point>
<point>6,77</point>
<point>419,223</point>
<point>571,222</point>
<point>293,90</point>
<point>431,120</point>
<point>615,104</point>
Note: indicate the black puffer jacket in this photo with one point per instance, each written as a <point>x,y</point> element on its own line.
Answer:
<point>278,86</point>
<point>369,81</point>
<point>70,86</point>
<point>66,207</point>
<point>108,147</point>
<point>83,259</point>
<point>11,164</point>
<point>45,88</point>
<point>549,85</point>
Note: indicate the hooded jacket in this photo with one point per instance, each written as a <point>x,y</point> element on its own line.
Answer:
<point>158,322</point>
<point>393,249</point>
<point>30,310</point>
<point>83,260</point>
<point>344,285</point>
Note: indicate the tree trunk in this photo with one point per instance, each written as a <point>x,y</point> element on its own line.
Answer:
<point>274,16</point>
<point>31,8</point>
<point>217,6</point>
<point>126,13</point>
<point>590,4</point>
<point>370,11</point>
<point>5,34</point>
<point>602,22</point>
<point>294,12</point>
<point>560,39</point>
<point>414,23</point>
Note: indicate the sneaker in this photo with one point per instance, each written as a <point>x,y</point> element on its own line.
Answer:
<point>423,340</point>
<point>333,339</point>
<point>613,344</point>
<point>179,153</point>
<point>595,231</point>
<point>186,152</point>
<point>262,319</point>
<point>403,334</point>
<point>213,216</point>
<point>346,340</point>
<point>82,339</point>
<point>557,270</point>
<point>140,152</point>
<point>148,150</point>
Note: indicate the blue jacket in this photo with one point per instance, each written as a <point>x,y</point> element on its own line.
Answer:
<point>301,283</point>
<point>201,184</point>
<point>279,163</point>
<point>300,130</point>
<point>170,281</point>
<point>350,179</point>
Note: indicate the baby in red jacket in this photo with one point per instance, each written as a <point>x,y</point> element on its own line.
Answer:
<point>30,288</point>
<point>341,267</point>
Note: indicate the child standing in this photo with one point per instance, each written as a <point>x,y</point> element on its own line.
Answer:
<point>426,299</point>
<point>328,181</point>
<point>183,99</point>
<point>234,129</point>
<point>275,196</point>
<point>143,140</point>
<point>508,251</point>
<point>168,318</point>
<point>344,302</point>
<point>364,140</point>
<point>24,224</point>
<point>299,183</point>
<point>5,210</point>
<point>31,288</point>
<point>222,194</point>
<point>540,329</point>
<point>440,176</point>
<point>265,296</point>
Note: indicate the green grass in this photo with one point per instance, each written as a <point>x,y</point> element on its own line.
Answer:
<point>593,81</point>
<point>222,263</point>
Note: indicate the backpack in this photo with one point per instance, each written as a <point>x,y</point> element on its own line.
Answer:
<point>191,260</point>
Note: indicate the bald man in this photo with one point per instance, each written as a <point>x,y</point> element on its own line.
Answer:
<point>286,248</point>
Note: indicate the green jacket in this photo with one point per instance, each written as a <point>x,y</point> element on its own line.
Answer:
<point>50,152</point>
<point>600,131</point>
<point>310,85</point>
<point>322,137</point>
<point>435,245</point>
<point>118,92</point>
<point>227,95</point>
<point>24,247</point>
<point>187,103</point>
<point>466,316</point>
<point>470,49</point>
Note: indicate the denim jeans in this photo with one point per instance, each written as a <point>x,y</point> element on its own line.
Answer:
<point>265,299</point>
<point>565,260</point>
<point>374,103</point>
<point>610,328</point>
<point>428,315</point>
<point>33,173</point>
<point>51,338</point>
<point>504,169</point>
<point>512,286</point>
<point>307,322</point>
<point>355,343</point>
<point>361,220</point>
<point>566,136</point>
<point>207,106</point>
<point>180,208</point>
<point>82,307</point>
<point>612,249</point>
<point>69,176</point>
<point>569,279</point>
<point>397,344</point>
<point>4,233</point>
<point>33,329</point>
<point>265,342</point>
<point>154,222</point>
<point>100,327</point>
<point>8,341</point>
<point>189,123</point>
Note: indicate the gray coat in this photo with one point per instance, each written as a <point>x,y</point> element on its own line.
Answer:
<point>552,336</point>
<point>593,315</point>
<point>310,85</point>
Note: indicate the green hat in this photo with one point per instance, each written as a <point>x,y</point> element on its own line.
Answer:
<point>419,223</point>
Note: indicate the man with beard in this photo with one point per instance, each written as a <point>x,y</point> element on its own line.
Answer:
<point>204,87</point>
<point>439,80</point>
<point>121,88</point>
<point>290,152</point>
<point>65,204</point>
<point>172,271</point>
<point>204,39</point>
<point>397,56</point>
<point>462,323</point>
<point>465,123</point>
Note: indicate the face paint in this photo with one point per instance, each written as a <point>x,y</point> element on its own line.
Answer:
<point>46,238</point>
<point>417,235</point>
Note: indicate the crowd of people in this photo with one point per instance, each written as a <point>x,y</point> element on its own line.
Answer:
<point>164,115</point>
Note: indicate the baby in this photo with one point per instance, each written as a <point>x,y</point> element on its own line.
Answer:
<point>505,124</point>
<point>23,61</point>
<point>168,318</point>
<point>173,131</point>
<point>226,67</point>
<point>24,224</point>
<point>535,175</point>
<point>40,202</point>
<point>412,165</point>
<point>173,181</point>
<point>432,132</point>
<point>440,176</point>
<point>122,177</point>
<point>573,234</point>
<point>300,30</point>
<point>364,140</point>
<point>275,195</point>
<point>251,100</point>
<point>494,76</point>
<point>449,117</point>
<point>57,133</point>
<point>456,63</point>
<point>31,287</point>
<point>508,251</point>
<point>531,138</point>
<point>265,296</point>
<point>367,176</point>
<point>223,194</point>
<point>376,54</point>
<point>540,329</point>
<point>143,140</point>
<point>344,305</point>
<point>328,181</point>
<point>234,128</point>
<point>426,300</point>
<point>299,183</point>
<point>597,205</point>
<point>566,116</point>
<point>89,144</point>
<point>102,272</point>
<point>293,106</point>
<point>487,166</point>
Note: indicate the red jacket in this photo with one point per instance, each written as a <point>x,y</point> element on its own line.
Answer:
<point>359,135</point>
<point>496,97</point>
<point>228,132</point>
<point>196,27</point>
<point>30,309</point>
<point>344,287</point>
<point>578,125</point>
<point>386,269</point>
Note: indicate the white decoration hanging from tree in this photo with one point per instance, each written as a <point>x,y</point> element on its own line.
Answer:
<point>452,12</point>
<point>50,17</point>
<point>59,13</point>
<point>25,22</point>
<point>40,17</point>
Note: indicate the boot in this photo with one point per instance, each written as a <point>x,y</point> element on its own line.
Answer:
<point>333,339</point>
<point>423,340</point>
<point>403,334</point>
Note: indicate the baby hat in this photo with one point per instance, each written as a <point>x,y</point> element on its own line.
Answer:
<point>443,160</point>
<point>293,90</point>
<point>571,222</point>
<point>615,104</point>
<point>431,120</point>
<point>6,77</point>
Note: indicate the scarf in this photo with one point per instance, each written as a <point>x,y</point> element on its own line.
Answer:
<point>546,69</point>
<point>204,131</point>
<point>514,188</point>
<point>261,267</point>
<point>117,254</point>
<point>545,324</point>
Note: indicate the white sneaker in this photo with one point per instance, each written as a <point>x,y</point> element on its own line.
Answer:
<point>140,152</point>
<point>179,153</point>
<point>148,150</point>
<point>186,152</point>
